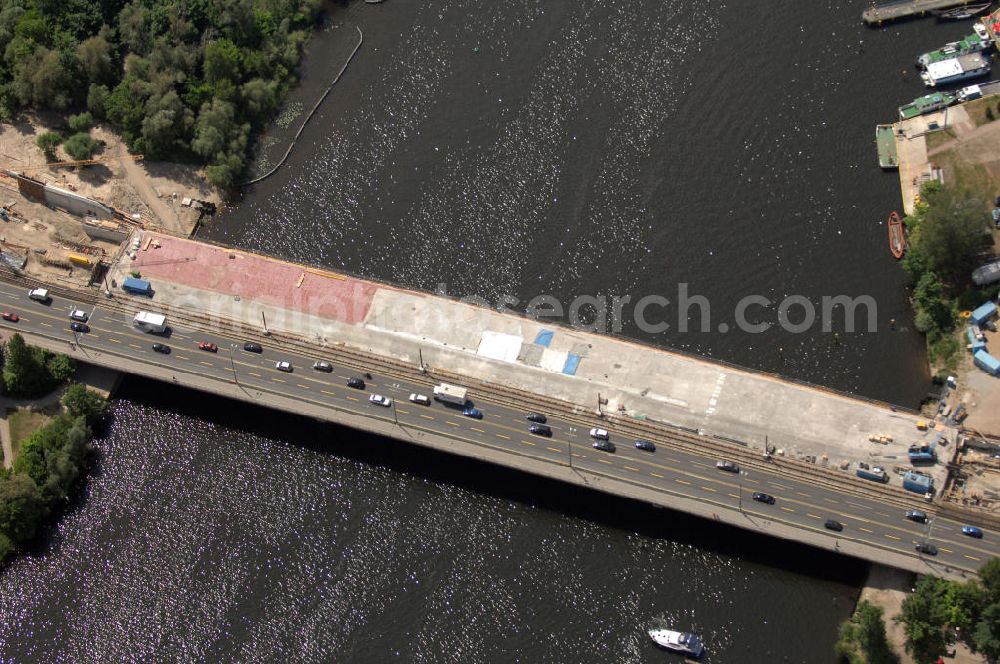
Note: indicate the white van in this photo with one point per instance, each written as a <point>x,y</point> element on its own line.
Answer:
<point>39,295</point>
<point>78,315</point>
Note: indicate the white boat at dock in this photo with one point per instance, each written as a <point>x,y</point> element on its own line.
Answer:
<point>684,643</point>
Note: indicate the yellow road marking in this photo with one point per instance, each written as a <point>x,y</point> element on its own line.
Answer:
<point>275,379</point>
<point>892,537</point>
<point>683,482</point>
<point>352,398</point>
<point>305,387</point>
<point>948,550</point>
<point>553,449</point>
<point>478,429</point>
<point>657,475</point>
<point>813,516</point>
<point>258,376</point>
<point>427,417</point>
<point>137,347</point>
<point>207,364</point>
<point>500,435</point>
<point>333,394</point>
<point>404,412</point>
<point>865,529</point>
<point>733,495</point>
<point>605,461</point>
<point>454,424</point>
<point>967,556</point>
<point>114,341</point>
<point>636,470</point>
<point>44,323</point>
<point>527,442</point>
<point>788,509</point>
<point>708,488</point>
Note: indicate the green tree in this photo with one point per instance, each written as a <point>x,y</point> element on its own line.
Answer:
<point>96,57</point>
<point>48,142</point>
<point>862,637</point>
<point>8,105</point>
<point>953,231</point>
<point>97,100</point>
<point>42,80</point>
<point>963,602</point>
<point>989,575</point>
<point>924,620</point>
<point>81,122</point>
<point>82,402</point>
<point>59,366</point>
<point>21,508</point>
<point>222,61</point>
<point>987,635</point>
<point>168,125</point>
<point>20,369</point>
<point>81,146</point>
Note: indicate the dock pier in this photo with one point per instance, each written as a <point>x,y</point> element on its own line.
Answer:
<point>891,11</point>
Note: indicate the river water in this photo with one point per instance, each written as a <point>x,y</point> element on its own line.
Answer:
<point>617,148</point>
<point>508,147</point>
<point>234,536</point>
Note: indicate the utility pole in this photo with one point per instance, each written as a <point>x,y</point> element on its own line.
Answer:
<point>267,332</point>
<point>420,353</point>
<point>600,413</point>
<point>232,363</point>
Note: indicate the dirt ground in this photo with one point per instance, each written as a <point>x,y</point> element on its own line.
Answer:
<point>153,190</point>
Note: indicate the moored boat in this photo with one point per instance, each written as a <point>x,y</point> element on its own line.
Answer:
<point>977,42</point>
<point>885,145</point>
<point>961,13</point>
<point>954,70</point>
<point>897,240</point>
<point>926,104</point>
<point>681,642</point>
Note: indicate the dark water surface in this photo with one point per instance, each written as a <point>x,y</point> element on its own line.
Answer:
<point>616,148</point>
<point>245,537</point>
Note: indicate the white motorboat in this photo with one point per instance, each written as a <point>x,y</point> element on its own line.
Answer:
<point>681,642</point>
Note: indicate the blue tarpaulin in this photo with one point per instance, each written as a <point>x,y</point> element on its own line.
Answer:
<point>544,337</point>
<point>984,313</point>
<point>986,362</point>
<point>572,363</point>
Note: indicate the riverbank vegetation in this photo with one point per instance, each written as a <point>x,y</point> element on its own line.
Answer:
<point>180,79</point>
<point>936,615</point>
<point>47,467</point>
<point>30,372</point>
<point>946,237</point>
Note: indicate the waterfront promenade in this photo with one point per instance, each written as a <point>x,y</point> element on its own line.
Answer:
<point>891,11</point>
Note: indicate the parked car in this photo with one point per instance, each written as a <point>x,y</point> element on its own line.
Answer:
<point>728,466</point>
<point>474,413</point>
<point>421,399</point>
<point>645,445</point>
<point>284,365</point>
<point>972,531</point>
<point>536,417</point>
<point>831,524</point>
<point>79,314</point>
<point>541,430</point>
<point>162,348</point>
<point>82,328</point>
<point>209,347</point>
<point>604,446</point>
<point>380,400</point>
<point>322,365</point>
<point>763,497</point>
<point>253,347</point>
<point>12,317</point>
<point>926,547</point>
<point>356,383</point>
<point>916,515</point>
<point>599,434</point>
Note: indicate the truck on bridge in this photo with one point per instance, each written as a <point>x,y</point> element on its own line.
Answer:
<point>148,322</point>
<point>452,394</point>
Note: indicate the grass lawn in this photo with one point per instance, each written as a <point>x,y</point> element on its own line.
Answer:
<point>22,424</point>
<point>977,109</point>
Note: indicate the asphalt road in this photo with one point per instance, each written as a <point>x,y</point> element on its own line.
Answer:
<point>797,503</point>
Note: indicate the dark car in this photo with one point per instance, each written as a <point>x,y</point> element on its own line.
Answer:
<point>833,525</point>
<point>162,348</point>
<point>763,497</point>
<point>322,365</point>
<point>646,445</point>
<point>604,446</point>
<point>728,466</point>
<point>252,347</point>
<point>474,413</point>
<point>972,531</point>
<point>208,347</point>
<point>917,515</point>
<point>356,383</point>
<point>536,417</point>
<point>79,327</point>
<point>540,430</point>
<point>926,547</point>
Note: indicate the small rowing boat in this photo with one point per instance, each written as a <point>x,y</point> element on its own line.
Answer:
<point>897,241</point>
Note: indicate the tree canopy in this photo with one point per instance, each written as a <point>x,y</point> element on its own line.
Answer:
<point>177,78</point>
<point>32,372</point>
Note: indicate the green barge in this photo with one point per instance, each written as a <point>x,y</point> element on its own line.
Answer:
<point>885,142</point>
<point>926,104</point>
